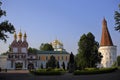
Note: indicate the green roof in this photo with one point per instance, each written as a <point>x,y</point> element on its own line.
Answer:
<point>52,52</point>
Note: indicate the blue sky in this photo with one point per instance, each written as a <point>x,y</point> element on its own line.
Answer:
<point>66,20</point>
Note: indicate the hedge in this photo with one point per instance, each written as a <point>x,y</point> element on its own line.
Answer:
<point>48,72</point>
<point>94,71</point>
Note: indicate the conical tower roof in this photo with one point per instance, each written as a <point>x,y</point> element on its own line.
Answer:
<point>105,38</point>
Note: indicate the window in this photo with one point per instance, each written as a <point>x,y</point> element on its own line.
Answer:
<point>39,57</point>
<point>24,50</point>
<point>15,50</point>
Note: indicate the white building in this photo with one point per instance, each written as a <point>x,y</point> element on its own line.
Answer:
<point>20,58</point>
<point>107,49</point>
<point>3,62</point>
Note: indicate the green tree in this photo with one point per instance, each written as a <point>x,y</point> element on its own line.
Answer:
<point>63,65</point>
<point>5,27</point>
<point>41,66</point>
<point>32,50</point>
<point>88,55</point>
<point>71,59</point>
<point>117,19</point>
<point>46,47</point>
<point>52,62</point>
<point>5,53</point>
<point>71,63</point>
<point>118,60</point>
<point>58,65</point>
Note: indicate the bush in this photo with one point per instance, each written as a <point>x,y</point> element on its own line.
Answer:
<point>94,71</point>
<point>89,69</point>
<point>48,71</point>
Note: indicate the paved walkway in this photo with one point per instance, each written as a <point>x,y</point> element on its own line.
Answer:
<point>15,71</point>
<point>24,75</point>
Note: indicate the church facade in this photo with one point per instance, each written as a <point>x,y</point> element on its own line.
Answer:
<point>20,58</point>
<point>107,49</point>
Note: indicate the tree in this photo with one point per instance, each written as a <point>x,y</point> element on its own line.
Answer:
<point>32,50</point>
<point>46,47</point>
<point>5,27</point>
<point>71,58</point>
<point>41,66</point>
<point>5,53</point>
<point>117,20</point>
<point>118,60</point>
<point>63,65</point>
<point>52,62</point>
<point>58,65</point>
<point>88,55</point>
<point>71,63</point>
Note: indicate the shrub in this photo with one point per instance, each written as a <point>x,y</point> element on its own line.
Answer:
<point>94,71</point>
<point>48,71</point>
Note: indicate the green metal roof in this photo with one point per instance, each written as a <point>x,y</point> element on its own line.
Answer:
<point>52,52</point>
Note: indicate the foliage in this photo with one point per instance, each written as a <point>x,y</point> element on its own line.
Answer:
<point>88,55</point>
<point>117,19</point>
<point>5,53</point>
<point>41,66</point>
<point>46,47</point>
<point>32,50</point>
<point>63,65</point>
<point>118,60</point>
<point>5,27</point>
<point>48,71</point>
<point>94,71</point>
<point>71,59</point>
<point>71,64</point>
<point>58,65</point>
<point>52,62</point>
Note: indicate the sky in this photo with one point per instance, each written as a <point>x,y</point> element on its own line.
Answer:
<point>65,20</point>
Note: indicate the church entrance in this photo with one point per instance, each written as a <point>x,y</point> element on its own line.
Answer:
<point>30,66</point>
<point>18,65</point>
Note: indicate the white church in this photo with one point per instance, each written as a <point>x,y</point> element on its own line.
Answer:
<point>20,58</point>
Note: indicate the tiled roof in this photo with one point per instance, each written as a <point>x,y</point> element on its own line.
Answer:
<point>52,52</point>
<point>105,38</point>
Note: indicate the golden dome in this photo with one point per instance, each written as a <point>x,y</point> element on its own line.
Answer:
<point>57,42</point>
<point>15,35</point>
<point>20,35</point>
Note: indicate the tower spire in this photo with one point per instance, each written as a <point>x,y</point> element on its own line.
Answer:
<point>105,38</point>
<point>20,35</point>
<point>25,36</point>
<point>15,36</point>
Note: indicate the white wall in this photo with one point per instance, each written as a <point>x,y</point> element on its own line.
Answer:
<point>3,62</point>
<point>109,55</point>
